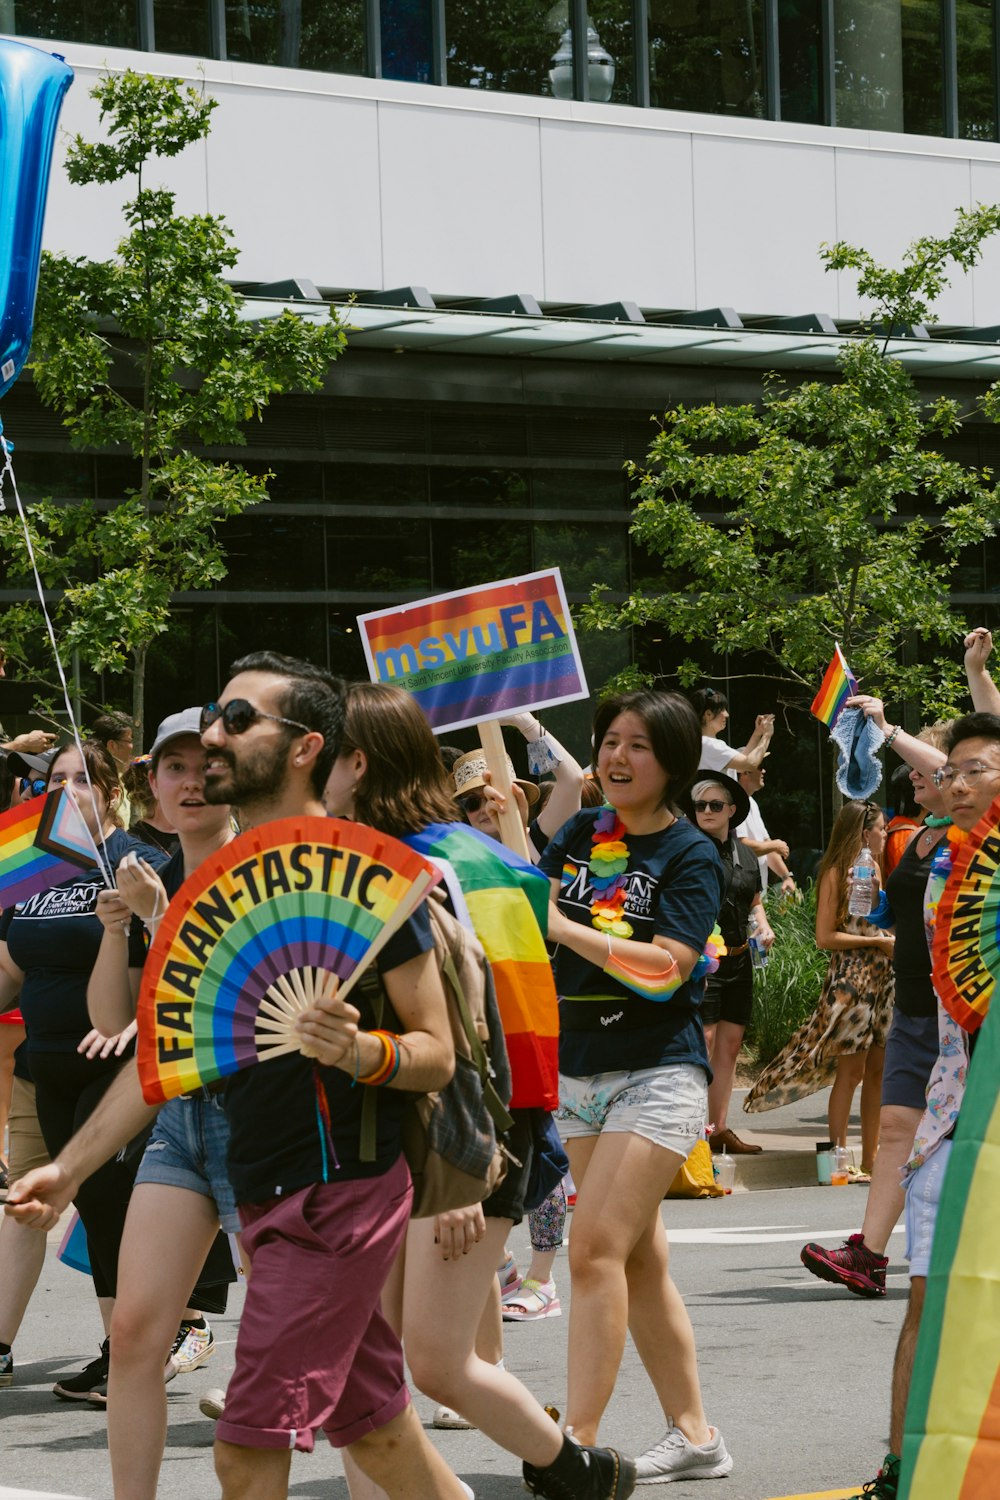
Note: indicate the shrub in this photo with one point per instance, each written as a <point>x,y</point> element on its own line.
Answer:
<point>786,991</point>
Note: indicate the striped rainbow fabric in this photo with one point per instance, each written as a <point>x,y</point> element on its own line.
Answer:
<point>951,1443</point>
<point>839,684</point>
<point>508,901</point>
<point>42,843</point>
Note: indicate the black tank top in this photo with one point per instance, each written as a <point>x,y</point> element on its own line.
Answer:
<point>911,962</point>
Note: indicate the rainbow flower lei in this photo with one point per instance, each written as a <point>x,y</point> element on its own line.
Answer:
<point>608,865</point>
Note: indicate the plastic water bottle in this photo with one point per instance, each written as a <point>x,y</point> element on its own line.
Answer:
<point>758,953</point>
<point>861,885</point>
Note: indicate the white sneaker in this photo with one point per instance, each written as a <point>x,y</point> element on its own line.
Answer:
<point>470,1492</point>
<point>675,1458</point>
<point>445,1417</point>
<point>193,1347</point>
<point>213,1404</point>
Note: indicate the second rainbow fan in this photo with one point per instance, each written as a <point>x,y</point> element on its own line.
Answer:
<point>259,932</point>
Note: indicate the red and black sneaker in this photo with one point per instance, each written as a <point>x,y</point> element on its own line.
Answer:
<point>853,1266</point>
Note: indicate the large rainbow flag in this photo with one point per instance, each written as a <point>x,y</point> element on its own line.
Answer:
<point>42,843</point>
<point>508,901</point>
<point>839,684</point>
<point>951,1443</point>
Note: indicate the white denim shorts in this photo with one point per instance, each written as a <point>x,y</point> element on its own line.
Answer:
<point>923,1197</point>
<point>666,1105</point>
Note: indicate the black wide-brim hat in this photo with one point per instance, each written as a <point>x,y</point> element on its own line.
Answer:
<point>734,793</point>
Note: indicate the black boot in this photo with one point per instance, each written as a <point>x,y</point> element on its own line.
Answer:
<point>583,1474</point>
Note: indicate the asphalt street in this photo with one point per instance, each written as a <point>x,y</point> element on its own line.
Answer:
<point>795,1372</point>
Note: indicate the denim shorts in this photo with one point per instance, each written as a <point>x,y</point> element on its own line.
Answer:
<point>187,1149</point>
<point>911,1050</point>
<point>666,1105</point>
<point>923,1197</point>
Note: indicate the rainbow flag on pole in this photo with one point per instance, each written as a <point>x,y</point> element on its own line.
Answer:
<point>508,901</point>
<point>42,843</point>
<point>839,684</point>
<point>951,1442</point>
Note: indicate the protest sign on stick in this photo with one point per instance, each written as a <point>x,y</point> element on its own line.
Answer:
<point>474,655</point>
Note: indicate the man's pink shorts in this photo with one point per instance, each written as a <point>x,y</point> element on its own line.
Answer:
<point>313,1349</point>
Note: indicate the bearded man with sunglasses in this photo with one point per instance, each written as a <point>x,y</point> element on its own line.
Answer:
<point>314,1350</point>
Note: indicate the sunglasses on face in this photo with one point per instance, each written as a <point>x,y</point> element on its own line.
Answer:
<point>713,806</point>
<point>471,802</point>
<point>37,785</point>
<point>238,715</point>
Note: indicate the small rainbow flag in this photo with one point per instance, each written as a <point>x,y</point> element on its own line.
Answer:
<point>42,843</point>
<point>839,684</point>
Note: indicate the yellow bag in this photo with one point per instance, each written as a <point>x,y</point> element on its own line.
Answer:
<point>696,1178</point>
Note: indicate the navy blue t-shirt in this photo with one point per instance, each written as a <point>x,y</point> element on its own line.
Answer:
<point>54,937</point>
<point>675,888</point>
<point>275,1146</point>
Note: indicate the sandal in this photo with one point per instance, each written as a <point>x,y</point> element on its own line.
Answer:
<point>509,1275</point>
<point>530,1301</point>
<point>855,1174</point>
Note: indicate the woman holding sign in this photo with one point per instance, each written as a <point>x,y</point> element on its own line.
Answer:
<point>635,892</point>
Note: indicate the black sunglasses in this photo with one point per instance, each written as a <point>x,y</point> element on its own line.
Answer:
<point>471,802</point>
<point>238,715</point>
<point>713,806</point>
<point>37,786</point>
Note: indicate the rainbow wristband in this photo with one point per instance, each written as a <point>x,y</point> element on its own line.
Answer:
<point>659,986</point>
<point>388,1067</point>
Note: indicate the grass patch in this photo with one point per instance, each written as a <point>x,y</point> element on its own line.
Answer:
<point>786,992</point>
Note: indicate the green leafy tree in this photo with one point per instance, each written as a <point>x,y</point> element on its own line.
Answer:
<point>150,353</point>
<point>843,521</point>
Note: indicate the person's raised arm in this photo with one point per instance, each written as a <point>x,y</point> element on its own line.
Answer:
<point>985,693</point>
<point>547,756</point>
<point>40,1196</point>
<point>916,753</point>
<point>757,747</point>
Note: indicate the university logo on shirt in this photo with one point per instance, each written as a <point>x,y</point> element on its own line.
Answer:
<point>63,901</point>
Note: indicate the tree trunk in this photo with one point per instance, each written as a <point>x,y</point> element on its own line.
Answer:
<point>138,698</point>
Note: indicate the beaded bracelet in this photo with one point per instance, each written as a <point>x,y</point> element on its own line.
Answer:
<point>891,737</point>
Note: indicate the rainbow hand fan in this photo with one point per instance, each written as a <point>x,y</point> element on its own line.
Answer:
<point>257,934</point>
<point>966,948</point>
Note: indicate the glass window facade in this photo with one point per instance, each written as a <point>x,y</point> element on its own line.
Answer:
<point>886,58</point>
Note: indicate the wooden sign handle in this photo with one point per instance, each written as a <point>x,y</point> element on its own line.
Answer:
<point>512,830</point>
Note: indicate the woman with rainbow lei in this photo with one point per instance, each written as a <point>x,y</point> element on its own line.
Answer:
<point>635,894</point>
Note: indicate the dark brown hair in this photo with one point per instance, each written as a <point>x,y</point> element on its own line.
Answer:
<point>102,771</point>
<point>854,820</point>
<point>406,785</point>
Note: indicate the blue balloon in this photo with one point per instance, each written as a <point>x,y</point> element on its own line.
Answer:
<point>32,85</point>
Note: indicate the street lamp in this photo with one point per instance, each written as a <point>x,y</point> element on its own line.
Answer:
<point>600,67</point>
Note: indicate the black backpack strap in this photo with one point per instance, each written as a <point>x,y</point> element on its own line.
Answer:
<point>370,986</point>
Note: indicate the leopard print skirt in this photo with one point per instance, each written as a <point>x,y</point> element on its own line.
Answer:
<point>853,1014</point>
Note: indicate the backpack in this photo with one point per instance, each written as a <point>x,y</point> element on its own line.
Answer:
<point>452,1138</point>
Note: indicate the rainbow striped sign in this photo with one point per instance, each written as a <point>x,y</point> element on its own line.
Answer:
<point>839,684</point>
<point>951,1442</point>
<point>479,653</point>
<point>42,843</point>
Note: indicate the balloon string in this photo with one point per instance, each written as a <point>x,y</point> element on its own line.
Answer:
<point>104,865</point>
<point>323,1124</point>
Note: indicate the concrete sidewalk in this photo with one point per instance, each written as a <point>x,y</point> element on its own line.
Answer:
<point>788,1137</point>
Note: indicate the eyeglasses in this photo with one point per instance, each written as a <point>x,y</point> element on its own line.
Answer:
<point>712,806</point>
<point>238,715</point>
<point>970,773</point>
<point>471,802</point>
<point>37,786</point>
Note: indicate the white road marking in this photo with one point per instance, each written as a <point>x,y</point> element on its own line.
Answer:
<point>766,1235</point>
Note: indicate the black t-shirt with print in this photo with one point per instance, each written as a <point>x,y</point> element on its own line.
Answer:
<point>276,1144</point>
<point>675,888</point>
<point>54,937</point>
